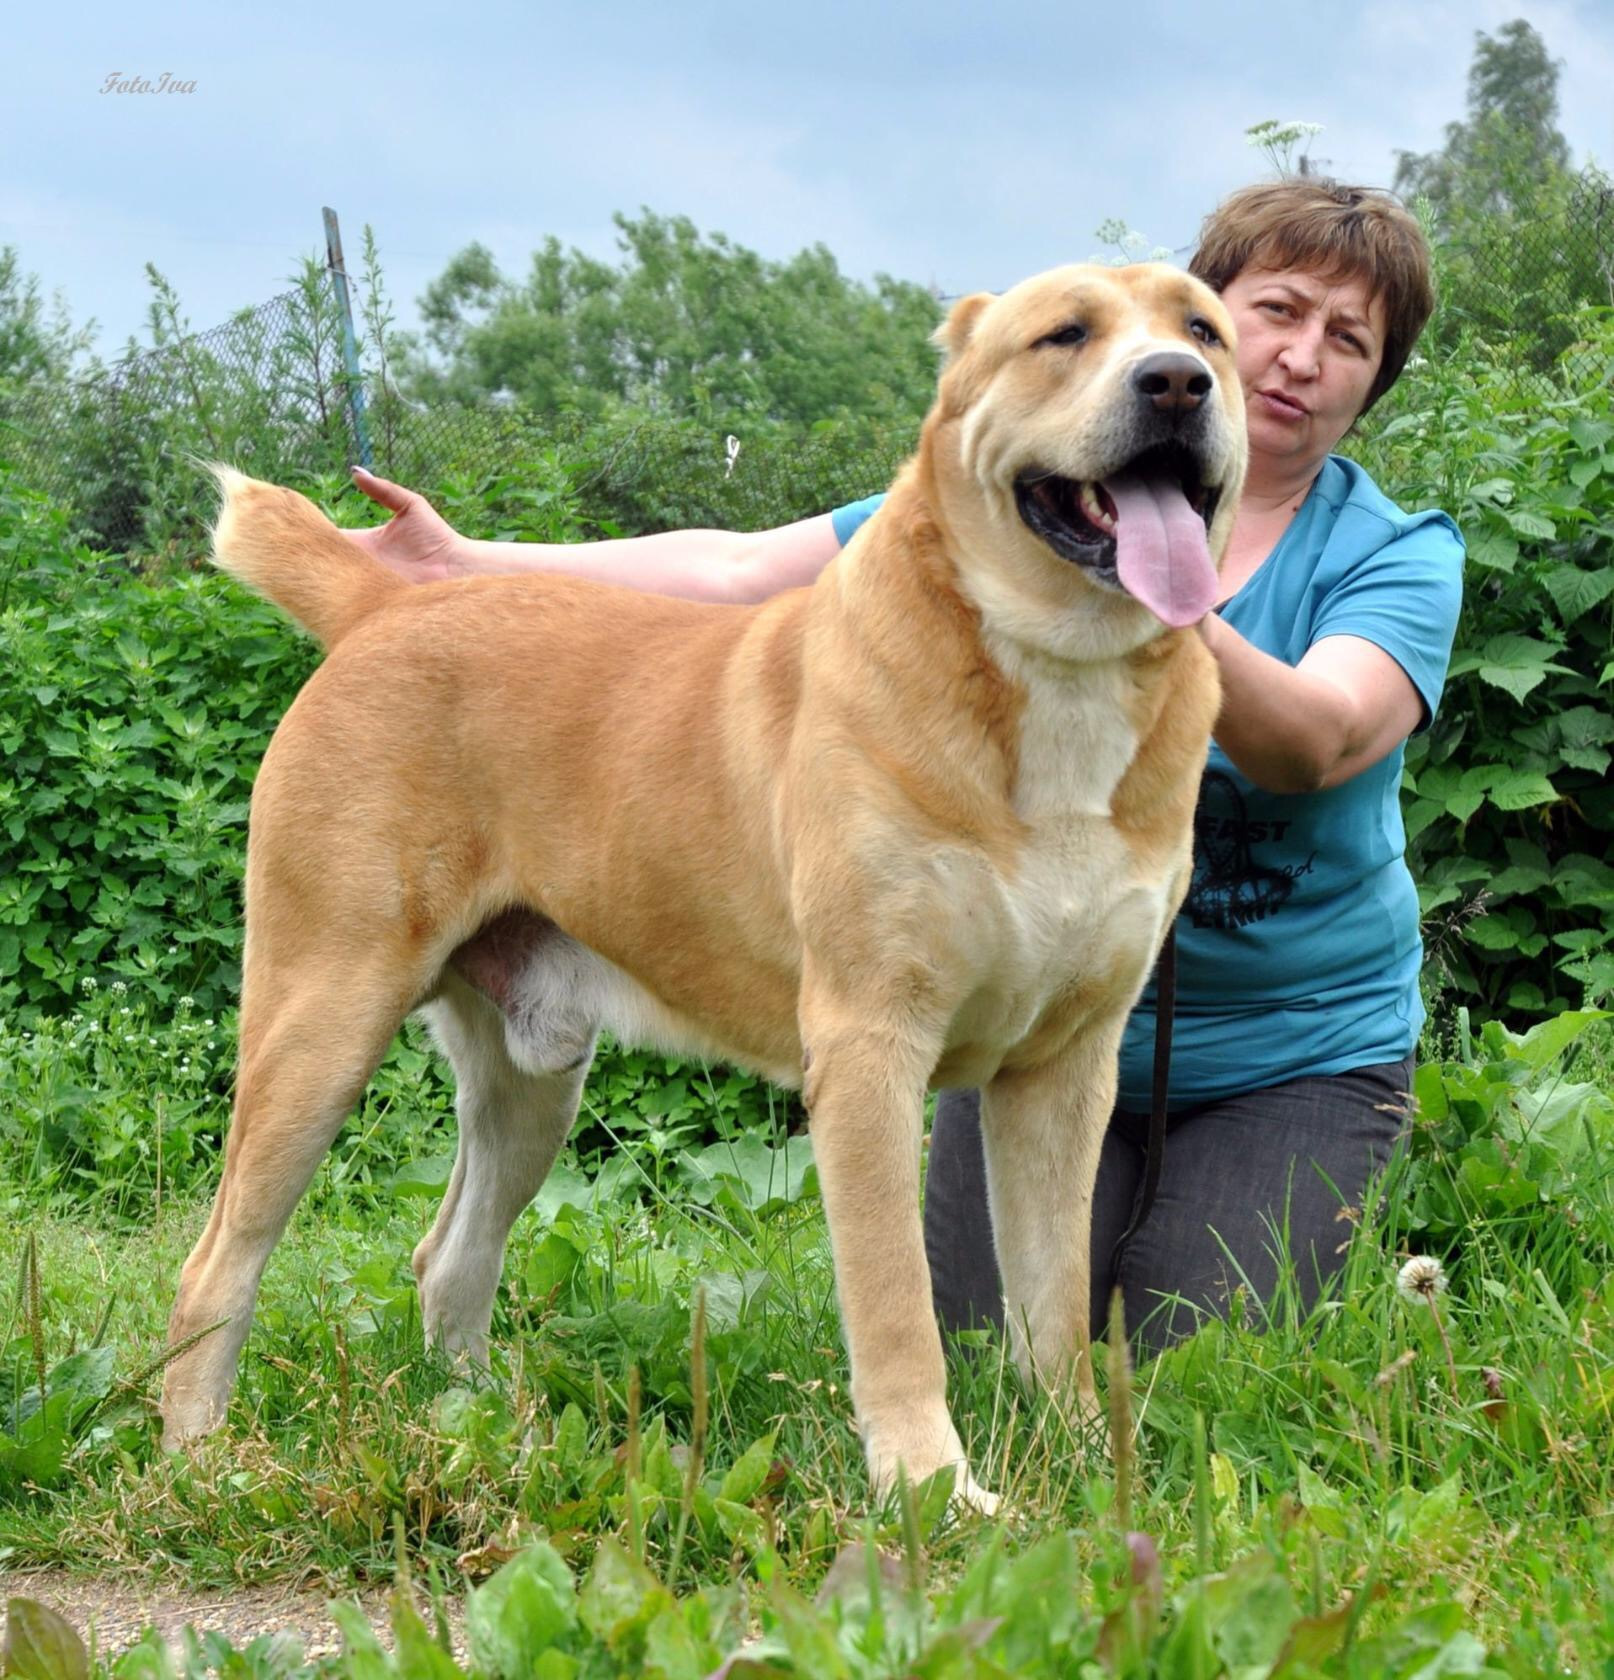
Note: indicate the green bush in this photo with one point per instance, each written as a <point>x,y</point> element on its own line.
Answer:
<point>1510,808</point>
<point>132,719</point>
<point>1514,1137</point>
<point>133,716</point>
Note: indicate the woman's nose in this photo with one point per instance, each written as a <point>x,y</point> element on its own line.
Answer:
<point>1302,354</point>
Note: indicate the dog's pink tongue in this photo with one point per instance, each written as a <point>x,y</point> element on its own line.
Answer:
<point>1161,555</point>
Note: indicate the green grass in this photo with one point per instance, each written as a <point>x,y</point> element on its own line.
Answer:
<point>1333,1471</point>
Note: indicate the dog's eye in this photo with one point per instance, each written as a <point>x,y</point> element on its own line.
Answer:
<point>1075,333</point>
<point>1205,332</point>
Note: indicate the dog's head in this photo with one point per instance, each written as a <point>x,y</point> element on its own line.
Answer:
<point>1087,451</point>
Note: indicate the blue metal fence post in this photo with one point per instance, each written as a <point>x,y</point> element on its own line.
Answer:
<point>350,344</point>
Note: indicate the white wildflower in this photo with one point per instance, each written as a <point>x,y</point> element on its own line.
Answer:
<point>1420,1281</point>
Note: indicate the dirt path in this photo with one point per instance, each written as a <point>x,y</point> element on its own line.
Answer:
<point>112,1611</point>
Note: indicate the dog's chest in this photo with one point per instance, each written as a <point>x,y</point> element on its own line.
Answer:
<point>1078,917</point>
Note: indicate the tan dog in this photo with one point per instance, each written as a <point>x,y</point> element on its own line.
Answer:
<point>924,823</point>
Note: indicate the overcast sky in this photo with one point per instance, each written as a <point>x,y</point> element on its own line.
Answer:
<point>960,144</point>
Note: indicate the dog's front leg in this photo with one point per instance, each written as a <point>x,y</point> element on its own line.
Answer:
<point>1043,1129</point>
<point>865,1082</point>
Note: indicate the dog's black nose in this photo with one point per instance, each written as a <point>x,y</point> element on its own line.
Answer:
<point>1172,382</point>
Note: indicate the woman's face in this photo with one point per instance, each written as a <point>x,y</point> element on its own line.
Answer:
<point>1308,352</point>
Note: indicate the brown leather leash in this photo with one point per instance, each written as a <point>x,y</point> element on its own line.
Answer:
<point>1154,1153</point>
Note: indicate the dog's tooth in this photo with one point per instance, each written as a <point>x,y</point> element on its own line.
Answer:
<point>1094,508</point>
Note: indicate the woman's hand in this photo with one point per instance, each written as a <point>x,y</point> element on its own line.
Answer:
<point>417,542</point>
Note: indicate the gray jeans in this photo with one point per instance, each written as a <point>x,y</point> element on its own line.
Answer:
<point>1288,1156</point>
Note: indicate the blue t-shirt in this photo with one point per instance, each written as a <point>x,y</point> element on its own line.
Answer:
<point>1297,947</point>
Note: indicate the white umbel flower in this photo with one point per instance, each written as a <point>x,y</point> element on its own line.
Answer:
<point>1420,1281</point>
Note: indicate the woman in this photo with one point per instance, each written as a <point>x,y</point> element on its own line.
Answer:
<point>1297,1007</point>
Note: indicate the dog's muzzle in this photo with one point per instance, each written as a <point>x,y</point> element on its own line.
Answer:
<point>1141,526</point>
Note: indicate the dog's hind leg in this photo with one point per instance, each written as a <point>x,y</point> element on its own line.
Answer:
<point>513,1118</point>
<point>312,1032</point>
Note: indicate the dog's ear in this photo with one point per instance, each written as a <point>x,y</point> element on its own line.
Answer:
<point>954,333</point>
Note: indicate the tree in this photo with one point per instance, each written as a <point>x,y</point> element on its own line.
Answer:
<point>688,323</point>
<point>1522,239</point>
<point>32,347</point>
<point>1509,149</point>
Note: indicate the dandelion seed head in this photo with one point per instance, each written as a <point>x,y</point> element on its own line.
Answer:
<point>1420,1280</point>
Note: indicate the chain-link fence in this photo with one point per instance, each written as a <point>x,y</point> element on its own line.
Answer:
<point>268,392</point>
<point>1520,289</point>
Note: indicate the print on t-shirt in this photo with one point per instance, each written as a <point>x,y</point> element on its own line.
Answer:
<point>1230,889</point>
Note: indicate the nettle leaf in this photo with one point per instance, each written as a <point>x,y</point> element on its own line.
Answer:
<point>1583,471</point>
<point>1497,551</point>
<point>1492,490</point>
<point>1420,814</point>
<point>1574,591</point>
<point>1492,933</point>
<point>1510,648</point>
<point>1595,973</point>
<point>1580,879</point>
<point>1585,726</point>
<point>1517,790</point>
<point>1591,434</point>
<point>1519,664</point>
<point>1528,523</point>
<point>1518,878</point>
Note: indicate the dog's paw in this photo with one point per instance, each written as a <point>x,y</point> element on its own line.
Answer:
<point>969,1495</point>
<point>187,1422</point>
<point>918,1452</point>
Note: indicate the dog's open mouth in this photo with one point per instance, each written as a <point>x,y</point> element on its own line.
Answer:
<point>1141,529</point>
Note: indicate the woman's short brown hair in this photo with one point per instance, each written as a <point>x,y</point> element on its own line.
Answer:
<point>1334,231</point>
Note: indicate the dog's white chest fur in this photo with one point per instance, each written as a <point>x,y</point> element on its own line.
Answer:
<point>1075,908</point>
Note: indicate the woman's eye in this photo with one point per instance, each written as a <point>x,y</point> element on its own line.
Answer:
<point>1205,332</point>
<point>1073,334</point>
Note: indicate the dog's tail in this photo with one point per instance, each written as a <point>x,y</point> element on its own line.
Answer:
<point>279,544</point>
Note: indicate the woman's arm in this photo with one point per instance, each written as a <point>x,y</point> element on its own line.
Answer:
<point>1298,728</point>
<point>728,566</point>
<point>731,566</point>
